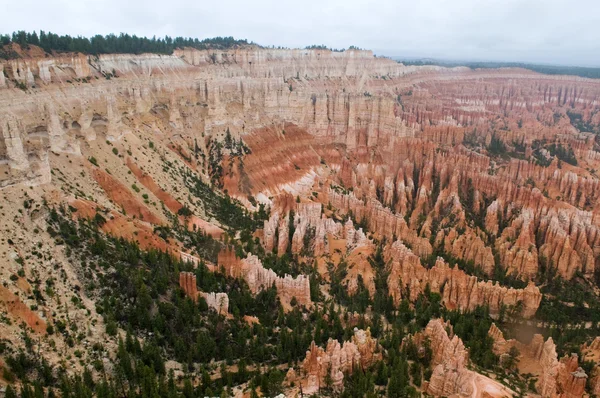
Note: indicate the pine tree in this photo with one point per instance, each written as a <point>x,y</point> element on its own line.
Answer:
<point>10,393</point>
<point>188,389</point>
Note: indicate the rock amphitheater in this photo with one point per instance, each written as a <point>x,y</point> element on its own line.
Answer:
<point>347,152</point>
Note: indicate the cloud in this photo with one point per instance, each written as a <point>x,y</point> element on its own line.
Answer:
<point>551,31</point>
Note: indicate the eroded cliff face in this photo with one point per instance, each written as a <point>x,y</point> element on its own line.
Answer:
<point>259,278</point>
<point>344,122</point>
<point>337,95</point>
<point>454,172</point>
<point>217,301</point>
<point>458,289</point>
<point>74,99</point>
<point>313,232</point>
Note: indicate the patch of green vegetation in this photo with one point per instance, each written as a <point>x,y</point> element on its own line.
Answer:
<point>577,121</point>
<point>567,155</point>
<point>138,291</point>
<point>589,72</point>
<point>111,44</point>
<point>226,210</point>
<point>497,146</point>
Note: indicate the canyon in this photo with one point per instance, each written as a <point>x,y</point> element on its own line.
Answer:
<point>477,186</point>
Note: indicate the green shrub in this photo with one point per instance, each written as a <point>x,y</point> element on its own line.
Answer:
<point>184,211</point>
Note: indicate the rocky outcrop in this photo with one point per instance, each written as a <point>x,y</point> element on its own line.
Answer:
<point>458,290</point>
<point>24,152</point>
<point>258,278</point>
<point>217,301</point>
<point>501,346</point>
<point>450,375</point>
<point>270,231</point>
<point>572,379</point>
<point>335,361</point>
<point>547,383</point>
<point>562,378</point>
<point>443,347</point>
<point>187,282</point>
<point>312,231</point>
<point>308,216</point>
<point>517,246</point>
<point>560,247</point>
<point>468,246</point>
<point>380,220</point>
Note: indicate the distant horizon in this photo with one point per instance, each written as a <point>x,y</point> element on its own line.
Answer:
<point>531,31</point>
<point>392,54</point>
<point>481,60</point>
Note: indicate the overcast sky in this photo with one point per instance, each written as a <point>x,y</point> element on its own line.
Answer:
<point>549,31</point>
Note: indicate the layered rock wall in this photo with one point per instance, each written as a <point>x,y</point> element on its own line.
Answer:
<point>330,94</point>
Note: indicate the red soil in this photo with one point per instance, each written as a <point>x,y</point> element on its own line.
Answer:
<point>147,181</point>
<point>171,203</point>
<point>119,194</point>
<point>13,306</point>
<point>119,226</point>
